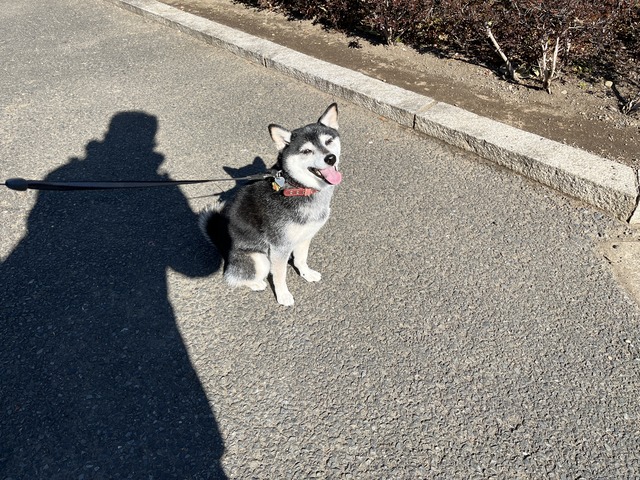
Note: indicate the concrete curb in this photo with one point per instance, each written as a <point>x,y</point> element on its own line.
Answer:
<point>607,185</point>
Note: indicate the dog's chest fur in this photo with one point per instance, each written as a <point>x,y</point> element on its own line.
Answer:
<point>296,233</point>
<point>310,217</point>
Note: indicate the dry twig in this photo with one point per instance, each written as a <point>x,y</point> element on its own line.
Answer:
<point>510,69</point>
<point>548,72</point>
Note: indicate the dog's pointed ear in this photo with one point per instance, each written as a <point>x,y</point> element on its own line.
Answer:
<point>330,117</point>
<point>281,136</point>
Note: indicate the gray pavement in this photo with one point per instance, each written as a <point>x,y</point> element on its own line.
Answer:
<point>466,325</point>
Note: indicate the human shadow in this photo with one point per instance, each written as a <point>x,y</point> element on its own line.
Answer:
<point>95,379</point>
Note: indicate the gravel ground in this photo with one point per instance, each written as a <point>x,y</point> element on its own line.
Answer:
<point>465,327</point>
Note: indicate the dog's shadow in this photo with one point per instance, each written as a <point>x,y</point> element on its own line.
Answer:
<point>96,378</point>
<point>257,166</point>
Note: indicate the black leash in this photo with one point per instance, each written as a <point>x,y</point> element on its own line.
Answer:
<point>20,184</point>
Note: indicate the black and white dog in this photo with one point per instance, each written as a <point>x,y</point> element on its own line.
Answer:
<point>270,220</point>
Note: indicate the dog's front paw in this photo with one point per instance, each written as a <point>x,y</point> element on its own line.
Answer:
<point>285,298</point>
<point>310,275</point>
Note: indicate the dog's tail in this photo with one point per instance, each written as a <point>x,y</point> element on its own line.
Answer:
<point>215,227</point>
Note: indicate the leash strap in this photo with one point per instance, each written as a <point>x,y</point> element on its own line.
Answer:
<point>20,184</point>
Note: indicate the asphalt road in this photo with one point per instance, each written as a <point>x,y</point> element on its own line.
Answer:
<point>465,325</point>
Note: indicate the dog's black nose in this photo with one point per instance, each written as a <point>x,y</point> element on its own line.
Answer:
<point>330,159</point>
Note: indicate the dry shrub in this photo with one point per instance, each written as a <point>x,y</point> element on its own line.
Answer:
<point>535,38</point>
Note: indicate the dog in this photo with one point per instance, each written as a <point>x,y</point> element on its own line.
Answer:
<point>270,220</point>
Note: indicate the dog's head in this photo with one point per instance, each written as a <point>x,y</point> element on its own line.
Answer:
<point>310,155</point>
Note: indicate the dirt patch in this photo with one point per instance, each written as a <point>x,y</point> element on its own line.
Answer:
<point>579,113</point>
<point>623,254</point>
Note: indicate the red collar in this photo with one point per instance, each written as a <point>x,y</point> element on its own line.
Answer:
<point>298,192</point>
<point>288,190</point>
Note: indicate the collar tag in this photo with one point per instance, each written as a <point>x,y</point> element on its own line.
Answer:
<point>278,183</point>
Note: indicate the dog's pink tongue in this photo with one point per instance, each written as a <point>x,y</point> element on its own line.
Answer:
<point>331,175</point>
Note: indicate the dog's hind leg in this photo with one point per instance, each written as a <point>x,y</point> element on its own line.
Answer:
<point>279,262</point>
<point>247,269</point>
<point>261,265</point>
<point>300,254</point>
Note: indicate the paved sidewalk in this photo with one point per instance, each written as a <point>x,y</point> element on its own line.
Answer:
<point>465,327</point>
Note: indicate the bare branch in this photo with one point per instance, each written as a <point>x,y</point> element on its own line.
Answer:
<point>548,73</point>
<point>512,71</point>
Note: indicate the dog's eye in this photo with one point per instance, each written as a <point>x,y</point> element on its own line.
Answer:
<point>329,141</point>
<point>306,151</point>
